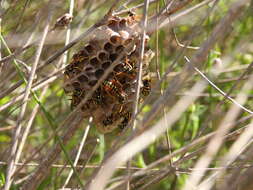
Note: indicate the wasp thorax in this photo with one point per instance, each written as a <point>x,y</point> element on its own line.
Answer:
<point>115,44</point>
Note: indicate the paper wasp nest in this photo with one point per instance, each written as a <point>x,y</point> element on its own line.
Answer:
<point>111,104</point>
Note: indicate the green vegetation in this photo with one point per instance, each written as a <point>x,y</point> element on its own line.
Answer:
<point>228,64</point>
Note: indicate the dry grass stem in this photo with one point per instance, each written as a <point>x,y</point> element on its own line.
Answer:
<point>75,114</point>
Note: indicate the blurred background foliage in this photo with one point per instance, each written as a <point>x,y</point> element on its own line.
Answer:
<point>23,19</point>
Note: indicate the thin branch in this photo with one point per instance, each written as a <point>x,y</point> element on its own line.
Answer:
<point>220,91</point>
<point>16,137</point>
<point>70,124</point>
<point>140,65</point>
<point>238,147</point>
<point>231,115</point>
<point>142,141</point>
<point>71,9</point>
<point>79,152</point>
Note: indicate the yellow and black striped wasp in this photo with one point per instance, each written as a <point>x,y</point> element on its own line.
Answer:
<point>114,89</point>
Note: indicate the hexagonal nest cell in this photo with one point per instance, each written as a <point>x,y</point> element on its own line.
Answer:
<point>117,43</point>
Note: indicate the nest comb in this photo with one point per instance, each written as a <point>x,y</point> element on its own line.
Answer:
<point>111,104</point>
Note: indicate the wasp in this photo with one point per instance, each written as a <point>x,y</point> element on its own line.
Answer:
<point>68,70</point>
<point>76,97</point>
<point>63,21</point>
<point>127,116</point>
<point>78,92</point>
<point>71,71</point>
<point>124,66</point>
<point>145,90</point>
<point>125,72</point>
<point>95,101</point>
<point>75,101</point>
<point>98,98</point>
<point>108,120</point>
<point>133,17</point>
<point>113,88</point>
